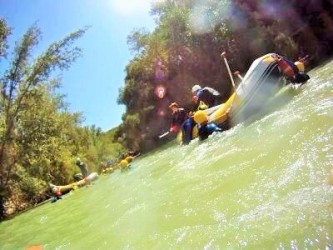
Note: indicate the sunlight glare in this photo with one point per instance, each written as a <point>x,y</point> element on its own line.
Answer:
<point>131,7</point>
<point>206,15</point>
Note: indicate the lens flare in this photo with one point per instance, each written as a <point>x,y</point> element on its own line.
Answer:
<point>161,112</point>
<point>206,15</point>
<point>160,91</point>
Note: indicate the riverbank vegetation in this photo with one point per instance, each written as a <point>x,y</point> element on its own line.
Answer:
<point>40,138</point>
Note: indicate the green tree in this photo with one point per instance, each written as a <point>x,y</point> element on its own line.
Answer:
<point>4,33</point>
<point>28,121</point>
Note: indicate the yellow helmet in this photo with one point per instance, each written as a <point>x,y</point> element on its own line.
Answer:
<point>300,66</point>
<point>200,117</point>
<point>123,163</point>
<point>129,159</point>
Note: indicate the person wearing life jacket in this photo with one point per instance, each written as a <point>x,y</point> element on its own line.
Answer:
<point>124,165</point>
<point>206,95</point>
<point>205,128</point>
<point>294,72</point>
<point>179,115</point>
<point>181,120</point>
<point>189,124</point>
<point>129,158</point>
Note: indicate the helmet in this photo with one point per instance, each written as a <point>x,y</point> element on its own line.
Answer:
<point>195,88</point>
<point>200,117</point>
<point>123,163</point>
<point>300,66</point>
<point>78,161</point>
<point>129,159</point>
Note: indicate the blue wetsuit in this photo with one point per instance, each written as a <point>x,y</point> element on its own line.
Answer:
<point>187,130</point>
<point>207,129</point>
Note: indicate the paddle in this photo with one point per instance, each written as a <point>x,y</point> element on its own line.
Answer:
<point>236,73</point>
<point>228,69</point>
<point>164,134</point>
<point>223,112</point>
<point>303,59</point>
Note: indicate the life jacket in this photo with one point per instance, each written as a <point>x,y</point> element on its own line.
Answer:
<point>200,117</point>
<point>293,71</point>
<point>287,67</point>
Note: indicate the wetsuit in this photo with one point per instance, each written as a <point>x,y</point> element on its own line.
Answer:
<point>207,129</point>
<point>187,130</point>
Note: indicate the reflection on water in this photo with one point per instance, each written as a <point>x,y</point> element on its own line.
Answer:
<point>260,186</point>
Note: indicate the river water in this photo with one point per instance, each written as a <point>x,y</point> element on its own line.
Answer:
<point>263,185</point>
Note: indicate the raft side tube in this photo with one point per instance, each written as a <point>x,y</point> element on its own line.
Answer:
<point>59,190</point>
<point>261,82</point>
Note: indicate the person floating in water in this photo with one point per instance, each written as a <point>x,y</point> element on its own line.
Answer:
<point>205,128</point>
<point>124,164</point>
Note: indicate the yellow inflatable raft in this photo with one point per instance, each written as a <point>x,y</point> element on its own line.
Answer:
<point>261,82</point>
<point>59,190</point>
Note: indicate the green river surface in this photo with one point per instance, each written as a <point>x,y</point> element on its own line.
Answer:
<point>264,185</point>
